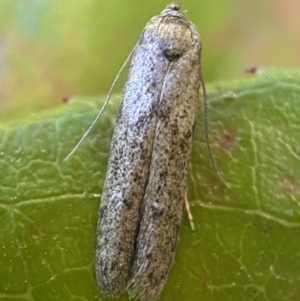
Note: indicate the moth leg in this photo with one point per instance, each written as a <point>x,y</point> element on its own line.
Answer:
<point>188,211</point>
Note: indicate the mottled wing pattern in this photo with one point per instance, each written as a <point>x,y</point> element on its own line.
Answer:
<point>165,192</point>
<point>128,166</point>
<point>145,183</point>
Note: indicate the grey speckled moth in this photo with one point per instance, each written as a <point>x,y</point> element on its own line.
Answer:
<point>144,190</point>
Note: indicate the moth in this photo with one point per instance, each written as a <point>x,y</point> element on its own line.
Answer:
<point>144,190</point>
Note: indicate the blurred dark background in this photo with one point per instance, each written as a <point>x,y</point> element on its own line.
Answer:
<point>54,49</point>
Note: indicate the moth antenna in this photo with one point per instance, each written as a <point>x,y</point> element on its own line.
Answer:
<point>103,107</point>
<point>205,111</point>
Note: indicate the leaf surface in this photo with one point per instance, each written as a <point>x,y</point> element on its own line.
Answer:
<point>246,242</point>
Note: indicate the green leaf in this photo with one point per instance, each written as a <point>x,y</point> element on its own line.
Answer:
<point>246,242</point>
